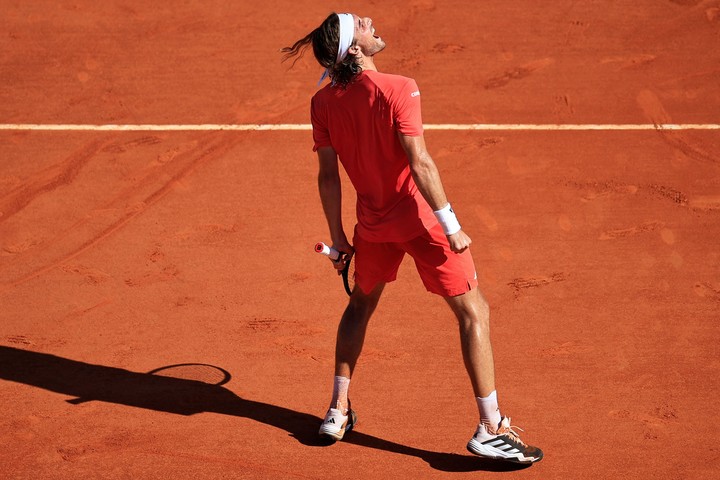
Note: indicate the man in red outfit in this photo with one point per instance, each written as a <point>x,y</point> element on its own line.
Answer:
<point>370,122</point>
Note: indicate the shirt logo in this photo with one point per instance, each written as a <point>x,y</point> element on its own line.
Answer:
<point>415,94</point>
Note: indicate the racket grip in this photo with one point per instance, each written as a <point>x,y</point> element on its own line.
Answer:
<point>326,250</point>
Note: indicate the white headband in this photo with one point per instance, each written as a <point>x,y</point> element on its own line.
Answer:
<point>346,35</point>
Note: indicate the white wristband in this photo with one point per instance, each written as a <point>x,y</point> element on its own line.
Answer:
<point>447,219</point>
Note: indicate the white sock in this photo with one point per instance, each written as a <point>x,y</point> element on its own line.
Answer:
<point>489,410</point>
<point>340,394</point>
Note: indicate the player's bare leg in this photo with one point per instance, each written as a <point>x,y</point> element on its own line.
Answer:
<point>494,436</point>
<point>350,339</point>
<point>473,316</point>
<point>352,328</point>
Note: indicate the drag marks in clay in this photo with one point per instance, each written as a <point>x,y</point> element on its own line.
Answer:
<point>18,340</point>
<point>690,148</point>
<point>264,324</point>
<point>160,270</point>
<point>89,276</point>
<point>660,420</point>
<point>654,110</point>
<point>708,291</point>
<point>445,48</point>
<point>166,274</point>
<point>563,107</point>
<point>662,191</point>
<point>289,336</point>
<point>82,311</point>
<point>517,73</point>
<point>566,349</point>
<point>48,180</point>
<point>150,185</point>
<point>629,61</point>
<point>591,191</point>
<point>71,454</point>
<point>465,150</point>
<point>125,146</point>
<point>705,203</point>
<point>631,232</point>
<point>207,234</point>
<point>20,247</point>
<point>32,341</point>
<point>522,284</point>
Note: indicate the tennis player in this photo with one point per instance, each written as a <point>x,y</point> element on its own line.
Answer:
<point>371,123</point>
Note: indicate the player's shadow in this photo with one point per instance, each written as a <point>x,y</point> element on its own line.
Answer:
<point>87,382</point>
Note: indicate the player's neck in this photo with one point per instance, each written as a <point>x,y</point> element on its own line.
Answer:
<point>368,63</point>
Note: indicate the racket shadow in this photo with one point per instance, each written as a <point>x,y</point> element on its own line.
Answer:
<point>86,382</point>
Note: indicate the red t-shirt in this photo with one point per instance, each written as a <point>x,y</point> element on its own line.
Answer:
<point>361,123</point>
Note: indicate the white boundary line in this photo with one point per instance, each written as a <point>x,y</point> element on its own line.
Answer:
<point>293,126</point>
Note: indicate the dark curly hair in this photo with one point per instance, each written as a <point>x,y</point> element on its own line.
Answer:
<point>325,40</point>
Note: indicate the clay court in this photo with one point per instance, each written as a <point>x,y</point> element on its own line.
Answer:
<point>163,314</point>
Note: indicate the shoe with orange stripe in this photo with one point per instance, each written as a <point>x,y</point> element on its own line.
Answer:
<point>503,444</point>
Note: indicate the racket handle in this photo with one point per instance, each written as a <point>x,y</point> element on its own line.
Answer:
<point>323,249</point>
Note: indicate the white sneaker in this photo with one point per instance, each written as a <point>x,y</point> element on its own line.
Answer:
<point>503,444</point>
<point>336,424</point>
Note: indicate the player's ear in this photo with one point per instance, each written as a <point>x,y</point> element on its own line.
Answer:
<point>355,50</point>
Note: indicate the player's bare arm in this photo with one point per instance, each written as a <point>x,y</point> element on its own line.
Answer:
<point>427,179</point>
<point>330,190</point>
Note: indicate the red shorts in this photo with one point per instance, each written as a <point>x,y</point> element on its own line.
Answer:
<point>442,271</point>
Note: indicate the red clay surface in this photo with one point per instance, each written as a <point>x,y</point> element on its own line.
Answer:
<point>121,253</point>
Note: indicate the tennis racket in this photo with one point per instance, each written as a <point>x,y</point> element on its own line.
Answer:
<point>348,273</point>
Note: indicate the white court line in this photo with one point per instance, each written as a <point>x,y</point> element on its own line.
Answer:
<point>293,126</point>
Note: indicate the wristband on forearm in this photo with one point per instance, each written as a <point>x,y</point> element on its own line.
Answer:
<point>447,219</point>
